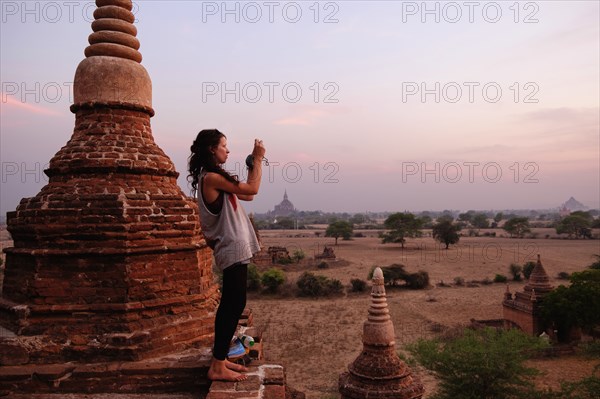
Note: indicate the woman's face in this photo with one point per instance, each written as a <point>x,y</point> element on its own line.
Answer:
<point>221,151</point>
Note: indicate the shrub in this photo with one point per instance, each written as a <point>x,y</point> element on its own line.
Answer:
<point>596,264</point>
<point>284,260</point>
<point>563,275</point>
<point>358,285</point>
<point>515,270</point>
<point>480,364</point>
<point>500,278</point>
<point>334,287</point>
<point>272,279</point>
<point>395,272</point>
<point>591,349</point>
<point>391,273</point>
<point>528,268</point>
<point>298,255</point>
<point>323,265</point>
<point>418,280</point>
<point>253,283</point>
<point>459,281</point>
<point>311,285</point>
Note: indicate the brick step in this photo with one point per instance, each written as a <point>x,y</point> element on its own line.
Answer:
<point>264,381</point>
<point>183,373</point>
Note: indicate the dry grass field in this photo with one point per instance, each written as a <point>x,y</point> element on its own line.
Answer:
<point>315,339</point>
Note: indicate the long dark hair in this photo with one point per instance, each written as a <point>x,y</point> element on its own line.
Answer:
<point>202,157</point>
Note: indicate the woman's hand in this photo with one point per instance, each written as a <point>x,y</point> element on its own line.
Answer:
<point>259,149</point>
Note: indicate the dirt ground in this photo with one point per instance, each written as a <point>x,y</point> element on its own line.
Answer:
<point>315,339</point>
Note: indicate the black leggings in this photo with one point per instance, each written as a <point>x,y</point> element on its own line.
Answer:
<point>233,302</point>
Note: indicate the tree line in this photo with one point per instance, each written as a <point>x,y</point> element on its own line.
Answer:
<point>446,230</point>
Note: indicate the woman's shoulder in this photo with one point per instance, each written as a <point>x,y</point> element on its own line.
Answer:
<point>211,176</point>
<point>212,179</point>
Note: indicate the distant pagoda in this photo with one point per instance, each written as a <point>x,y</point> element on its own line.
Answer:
<point>285,207</point>
<point>523,310</point>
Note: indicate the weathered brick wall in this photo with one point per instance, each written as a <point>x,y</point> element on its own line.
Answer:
<point>111,245</point>
<point>522,319</point>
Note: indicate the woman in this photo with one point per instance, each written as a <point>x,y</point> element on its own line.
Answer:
<point>228,231</point>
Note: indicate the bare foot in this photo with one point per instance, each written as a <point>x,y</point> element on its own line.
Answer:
<point>235,366</point>
<point>219,371</point>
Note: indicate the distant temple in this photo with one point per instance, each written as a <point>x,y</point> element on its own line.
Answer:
<point>571,205</point>
<point>523,310</point>
<point>285,207</point>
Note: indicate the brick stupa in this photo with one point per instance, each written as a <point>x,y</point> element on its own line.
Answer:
<point>378,372</point>
<point>108,263</point>
<point>523,310</point>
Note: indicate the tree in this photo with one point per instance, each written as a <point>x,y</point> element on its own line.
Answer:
<point>515,270</point>
<point>284,223</point>
<point>426,221</point>
<point>298,255</point>
<point>466,217</point>
<point>528,268</point>
<point>446,232</point>
<point>401,225</point>
<point>358,218</point>
<point>576,224</point>
<point>498,218</point>
<point>339,228</point>
<point>480,364</point>
<point>480,221</point>
<point>575,306</point>
<point>517,226</point>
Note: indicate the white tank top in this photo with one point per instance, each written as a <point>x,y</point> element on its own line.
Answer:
<point>229,233</point>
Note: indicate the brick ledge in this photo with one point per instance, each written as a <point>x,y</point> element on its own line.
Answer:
<point>265,381</point>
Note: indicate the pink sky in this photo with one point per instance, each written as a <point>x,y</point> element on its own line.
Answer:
<point>359,126</point>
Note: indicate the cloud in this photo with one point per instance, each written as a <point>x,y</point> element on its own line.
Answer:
<point>12,102</point>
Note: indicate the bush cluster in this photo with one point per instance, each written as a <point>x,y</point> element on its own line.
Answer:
<point>272,279</point>
<point>311,285</point>
<point>395,273</point>
<point>358,285</point>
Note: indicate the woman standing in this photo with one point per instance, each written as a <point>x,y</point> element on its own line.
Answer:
<point>228,232</point>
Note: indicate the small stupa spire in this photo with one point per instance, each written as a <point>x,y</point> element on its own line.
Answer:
<point>378,372</point>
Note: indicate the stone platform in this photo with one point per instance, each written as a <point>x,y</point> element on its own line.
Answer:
<point>176,376</point>
<point>186,371</point>
<point>265,381</point>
